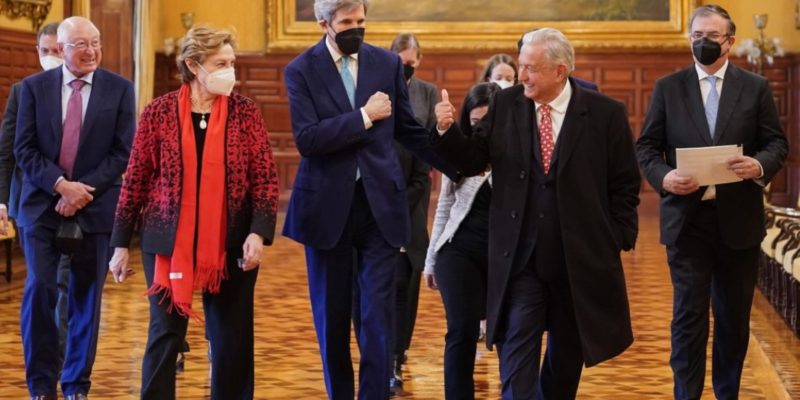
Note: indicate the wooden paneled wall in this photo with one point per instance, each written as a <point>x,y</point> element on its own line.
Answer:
<point>18,59</point>
<point>626,76</point>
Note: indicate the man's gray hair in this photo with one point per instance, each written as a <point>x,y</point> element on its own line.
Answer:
<point>326,9</point>
<point>66,26</point>
<point>558,48</point>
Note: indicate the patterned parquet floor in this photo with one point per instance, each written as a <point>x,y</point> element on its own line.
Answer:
<point>288,364</point>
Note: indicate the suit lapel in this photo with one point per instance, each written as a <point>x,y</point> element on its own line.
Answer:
<point>96,96</point>
<point>362,87</point>
<point>525,122</point>
<point>731,90</point>
<point>573,126</point>
<point>329,75</point>
<point>693,101</point>
<point>52,87</point>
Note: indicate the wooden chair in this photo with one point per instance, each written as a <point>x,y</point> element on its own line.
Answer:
<point>8,240</point>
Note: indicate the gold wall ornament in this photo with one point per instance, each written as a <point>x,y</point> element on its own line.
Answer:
<point>761,50</point>
<point>187,20</point>
<point>35,10</point>
<point>455,25</point>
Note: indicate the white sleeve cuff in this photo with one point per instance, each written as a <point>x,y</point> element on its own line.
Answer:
<point>365,117</point>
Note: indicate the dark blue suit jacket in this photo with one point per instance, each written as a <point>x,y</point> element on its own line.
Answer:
<point>10,175</point>
<point>332,141</point>
<point>585,84</point>
<point>103,149</point>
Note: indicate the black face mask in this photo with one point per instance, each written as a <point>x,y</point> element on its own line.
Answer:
<point>706,51</point>
<point>349,41</point>
<point>408,71</point>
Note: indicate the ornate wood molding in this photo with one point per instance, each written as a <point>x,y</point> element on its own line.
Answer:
<point>35,10</point>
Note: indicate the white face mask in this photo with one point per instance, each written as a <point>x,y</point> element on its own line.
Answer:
<point>220,81</point>
<point>50,62</point>
<point>504,84</point>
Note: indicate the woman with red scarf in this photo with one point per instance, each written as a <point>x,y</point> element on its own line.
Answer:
<point>201,178</point>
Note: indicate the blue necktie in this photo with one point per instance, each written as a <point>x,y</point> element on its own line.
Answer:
<point>347,80</point>
<point>712,104</point>
<point>350,87</point>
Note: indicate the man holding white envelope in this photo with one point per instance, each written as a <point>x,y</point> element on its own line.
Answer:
<point>716,125</point>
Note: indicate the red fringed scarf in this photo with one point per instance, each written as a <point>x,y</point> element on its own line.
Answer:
<point>176,277</point>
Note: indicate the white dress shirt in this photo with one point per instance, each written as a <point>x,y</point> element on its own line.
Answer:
<point>66,91</point>
<point>558,110</point>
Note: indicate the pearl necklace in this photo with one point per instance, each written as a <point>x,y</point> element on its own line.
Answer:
<point>203,111</point>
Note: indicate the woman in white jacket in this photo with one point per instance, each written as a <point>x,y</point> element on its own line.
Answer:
<point>457,259</point>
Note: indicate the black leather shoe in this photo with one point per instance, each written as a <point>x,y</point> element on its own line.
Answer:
<point>77,396</point>
<point>180,364</point>
<point>44,397</point>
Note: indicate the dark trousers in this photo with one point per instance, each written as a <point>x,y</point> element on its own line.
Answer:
<point>532,306</point>
<point>461,269</point>
<point>706,272</point>
<point>61,315</point>
<point>87,273</point>
<point>229,325</point>
<point>330,282</point>
<point>407,280</point>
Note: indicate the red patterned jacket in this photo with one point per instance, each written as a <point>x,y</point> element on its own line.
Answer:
<point>152,185</point>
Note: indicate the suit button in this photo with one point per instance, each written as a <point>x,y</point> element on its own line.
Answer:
<point>522,174</point>
<point>505,253</point>
<point>543,186</point>
<point>541,215</point>
<point>513,214</point>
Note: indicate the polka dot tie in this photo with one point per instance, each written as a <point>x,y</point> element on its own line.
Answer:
<point>546,141</point>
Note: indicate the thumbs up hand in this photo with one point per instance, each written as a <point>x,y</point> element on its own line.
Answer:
<point>445,113</point>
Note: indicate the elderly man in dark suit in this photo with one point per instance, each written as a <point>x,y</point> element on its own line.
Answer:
<point>564,197</point>
<point>74,131</point>
<point>712,233</point>
<point>349,103</point>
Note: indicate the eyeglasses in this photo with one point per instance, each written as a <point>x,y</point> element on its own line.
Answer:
<point>83,45</point>
<point>715,36</point>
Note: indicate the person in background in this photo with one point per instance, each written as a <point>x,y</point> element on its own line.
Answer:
<point>67,201</point>
<point>711,233</point>
<point>501,69</point>
<point>457,257</point>
<point>423,97</point>
<point>196,149</point>
<point>50,56</point>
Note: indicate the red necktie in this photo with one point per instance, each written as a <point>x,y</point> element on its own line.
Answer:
<point>71,132</point>
<point>546,142</point>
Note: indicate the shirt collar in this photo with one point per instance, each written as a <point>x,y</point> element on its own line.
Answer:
<point>335,54</point>
<point>720,74</point>
<point>69,76</point>
<point>561,102</point>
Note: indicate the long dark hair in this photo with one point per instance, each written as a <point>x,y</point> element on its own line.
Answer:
<point>478,96</point>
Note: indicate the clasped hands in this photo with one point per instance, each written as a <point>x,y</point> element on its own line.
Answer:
<point>74,196</point>
<point>744,167</point>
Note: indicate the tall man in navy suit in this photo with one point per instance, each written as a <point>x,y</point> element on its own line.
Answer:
<point>74,132</point>
<point>349,102</point>
<point>712,233</point>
